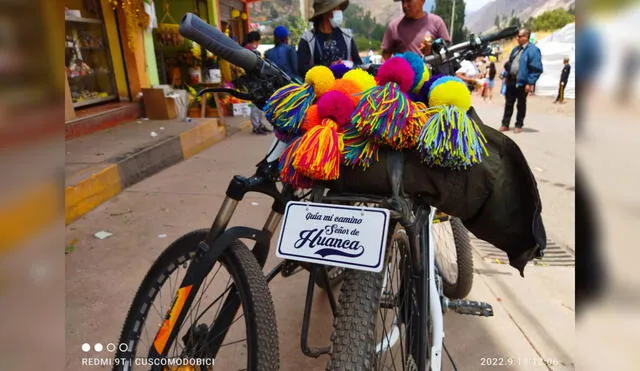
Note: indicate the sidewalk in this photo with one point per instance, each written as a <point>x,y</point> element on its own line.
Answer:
<point>100,165</point>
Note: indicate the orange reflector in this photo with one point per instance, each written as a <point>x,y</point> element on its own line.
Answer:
<point>170,321</point>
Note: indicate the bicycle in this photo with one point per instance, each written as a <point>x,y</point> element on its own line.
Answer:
<point>410,290</point>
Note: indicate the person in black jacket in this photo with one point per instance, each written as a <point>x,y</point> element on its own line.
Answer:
<point>564,78</point>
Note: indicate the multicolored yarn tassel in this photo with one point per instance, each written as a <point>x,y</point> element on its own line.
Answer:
<point>288,174</point>
<point>451,139</point>
<point>359,151</point>
<point>408,137</point>
<point>286,108</point>
<point>382,113</point>
<point>319,151</point>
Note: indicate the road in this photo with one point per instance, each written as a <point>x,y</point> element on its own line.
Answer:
<point>534,316</point>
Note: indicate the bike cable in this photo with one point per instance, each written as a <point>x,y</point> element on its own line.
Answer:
<point>449,355</point>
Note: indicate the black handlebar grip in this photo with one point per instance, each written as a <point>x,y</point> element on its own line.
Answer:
<point>502,34</point>
<point>212,39</point>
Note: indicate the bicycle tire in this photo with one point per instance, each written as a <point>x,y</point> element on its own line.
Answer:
<point>257,304</point>
<point>336,276</point>
<point>461,286</point>
<point>353,342</point>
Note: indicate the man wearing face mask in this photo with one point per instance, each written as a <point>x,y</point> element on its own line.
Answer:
<point>328,43</point>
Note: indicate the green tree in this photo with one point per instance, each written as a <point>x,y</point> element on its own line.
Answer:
<point>367,31</point>
<point>443,9</point>
<point>497,21</point>
<point>296,25</point>
<point>515,21</point>
<point>552,20</point>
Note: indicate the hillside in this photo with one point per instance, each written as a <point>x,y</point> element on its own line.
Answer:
<point>382,10</point>
<point>483,19</point>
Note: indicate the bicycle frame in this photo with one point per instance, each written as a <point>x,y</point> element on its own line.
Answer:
<point>418,228</point>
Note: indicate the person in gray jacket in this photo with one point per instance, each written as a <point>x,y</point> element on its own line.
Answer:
<point>327,43</point>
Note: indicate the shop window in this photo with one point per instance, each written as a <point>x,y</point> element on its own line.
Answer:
<point>88,64</point>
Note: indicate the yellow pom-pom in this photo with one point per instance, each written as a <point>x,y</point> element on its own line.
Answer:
<point>451,93</point>
<point>425,77</point>
<point>321,78</point>
<point>361,77</point>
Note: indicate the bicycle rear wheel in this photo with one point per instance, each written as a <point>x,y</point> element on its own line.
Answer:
<point>453,256</point>
<point>249,342</point>
<point>379,317</point>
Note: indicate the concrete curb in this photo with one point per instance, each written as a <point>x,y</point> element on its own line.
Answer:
<point>130,169</point>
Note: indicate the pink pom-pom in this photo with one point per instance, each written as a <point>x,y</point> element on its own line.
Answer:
<point>396,70</point>
<point>337,106</point>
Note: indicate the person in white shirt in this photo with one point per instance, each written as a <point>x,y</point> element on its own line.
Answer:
<point>469,73</point>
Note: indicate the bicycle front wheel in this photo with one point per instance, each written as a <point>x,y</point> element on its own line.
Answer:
<point>378,322</point>
<point>235,289</point>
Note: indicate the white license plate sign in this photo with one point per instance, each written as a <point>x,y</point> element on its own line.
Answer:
<point>345,236</point>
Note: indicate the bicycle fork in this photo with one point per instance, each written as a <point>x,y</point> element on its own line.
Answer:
<point>208,253</point>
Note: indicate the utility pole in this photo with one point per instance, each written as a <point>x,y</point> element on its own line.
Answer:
<point>453,15</point>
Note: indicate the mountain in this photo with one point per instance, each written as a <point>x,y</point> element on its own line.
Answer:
<point>483,19</point>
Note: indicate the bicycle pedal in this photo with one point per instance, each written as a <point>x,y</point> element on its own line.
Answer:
<point>471,307</point>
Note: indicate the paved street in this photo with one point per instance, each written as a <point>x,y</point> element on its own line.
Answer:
<point>534,316</point>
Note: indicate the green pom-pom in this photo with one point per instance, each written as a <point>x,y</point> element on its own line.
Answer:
<point>451,139</point>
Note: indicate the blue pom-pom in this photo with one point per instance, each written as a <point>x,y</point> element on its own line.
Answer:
<point>424,92</point>
<point>339,70</point>
<point>417,65</point>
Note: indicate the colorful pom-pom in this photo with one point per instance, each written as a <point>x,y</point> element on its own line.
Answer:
<point>321,78</point>
<point>337,106</point>
<point>362,78</point>
<point>288,173</point>
<point>450,91</point>
<point>312,118</point>
<point>339,70</point>
<point>417,66</point>
<point>396,70</point>
<point>451,139</point>
<point>382,113</point>
<point>408,137</point>
<point>348,87</point>
<point>425,77</point>
<point>319,152</point>
<point>424,90</point>
<point>286,108</point>
<point>359,151</point>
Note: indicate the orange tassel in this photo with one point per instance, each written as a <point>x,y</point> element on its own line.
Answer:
<point>318,153</point>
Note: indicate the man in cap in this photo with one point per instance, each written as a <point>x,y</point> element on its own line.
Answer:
<point>414,31</point>
<point>328,43</point>
<point>283,55</point>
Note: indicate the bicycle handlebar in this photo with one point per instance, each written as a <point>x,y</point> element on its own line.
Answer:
<point>474,43</point>
<point>194,28</point>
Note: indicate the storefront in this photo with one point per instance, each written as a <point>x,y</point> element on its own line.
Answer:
<point>93,57</point>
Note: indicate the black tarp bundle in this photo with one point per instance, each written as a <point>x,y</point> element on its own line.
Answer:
<point>497,200</point>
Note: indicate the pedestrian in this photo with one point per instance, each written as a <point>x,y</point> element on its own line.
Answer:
<point>327,43</point>
<point>283,55</point>
<point>411,31</point>
<point>251,42</point>
<point>469,73</point>
<point>490,82</point>
<point>524,67</point>
<point>564,78</point>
